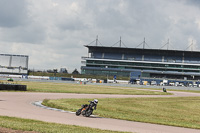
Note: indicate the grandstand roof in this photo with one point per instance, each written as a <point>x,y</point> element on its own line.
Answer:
<point>142,51</point>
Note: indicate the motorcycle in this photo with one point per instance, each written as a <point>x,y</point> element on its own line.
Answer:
<point>85,110</point>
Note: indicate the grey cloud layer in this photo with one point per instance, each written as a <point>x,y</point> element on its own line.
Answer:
<point>53,32</point>
<point>12,13</point>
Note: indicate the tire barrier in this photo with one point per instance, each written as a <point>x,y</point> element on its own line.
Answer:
<point>15,87</point>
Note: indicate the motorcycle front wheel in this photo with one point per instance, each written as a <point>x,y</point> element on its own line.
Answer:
<point>88,113</point>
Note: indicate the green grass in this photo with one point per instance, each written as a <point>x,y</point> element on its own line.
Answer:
<point>182,111</point>
<point>85,89</point>
<point>44,127</point>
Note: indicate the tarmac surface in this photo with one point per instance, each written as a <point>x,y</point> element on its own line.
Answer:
<point>20,104</point>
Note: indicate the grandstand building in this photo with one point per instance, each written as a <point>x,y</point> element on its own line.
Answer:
<point>142,63</point>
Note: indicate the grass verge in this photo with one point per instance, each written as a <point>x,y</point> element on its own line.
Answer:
<point>44,127</point>
<point>174,111</point>
<point>85,89</point>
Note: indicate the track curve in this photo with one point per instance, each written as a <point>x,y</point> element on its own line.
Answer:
<point>18,104</point>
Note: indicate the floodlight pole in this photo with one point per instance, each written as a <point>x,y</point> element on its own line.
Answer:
<point>120,42</point>
<point>144,43</point>
<point>192,46</point>
<point>97,40</point>
<point>167,43</point>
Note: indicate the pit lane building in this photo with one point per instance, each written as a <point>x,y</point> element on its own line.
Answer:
<point>142,63</point>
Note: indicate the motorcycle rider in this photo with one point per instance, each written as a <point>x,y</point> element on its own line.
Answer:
<point>93,104</point>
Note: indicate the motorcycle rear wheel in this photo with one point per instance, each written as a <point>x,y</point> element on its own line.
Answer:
<point>78,112</point>
<point>83,112</point>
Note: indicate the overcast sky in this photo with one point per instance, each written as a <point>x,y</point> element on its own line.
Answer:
<point>53,32</point>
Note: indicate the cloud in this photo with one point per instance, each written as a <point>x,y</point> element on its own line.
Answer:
<point>53,32</point>
<point>195,3</point>
<point>13,13</point>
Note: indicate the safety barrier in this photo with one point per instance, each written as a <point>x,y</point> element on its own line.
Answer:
<point>15,87</point>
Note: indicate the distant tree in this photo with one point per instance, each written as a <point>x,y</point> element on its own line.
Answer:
<point>50,71</point>
<point>63,70</point>
<point>75,72</point>
<point>55,71</point>
<point>29,70</point>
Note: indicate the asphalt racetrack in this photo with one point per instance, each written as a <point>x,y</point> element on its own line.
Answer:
<point>19,104</point>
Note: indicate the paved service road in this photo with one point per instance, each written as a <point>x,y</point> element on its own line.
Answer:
<point>19,104</point>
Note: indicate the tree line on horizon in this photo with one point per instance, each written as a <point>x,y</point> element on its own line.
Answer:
<point>62,70</point>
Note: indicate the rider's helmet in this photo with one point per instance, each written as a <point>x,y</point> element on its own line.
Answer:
<point>95,101</point>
